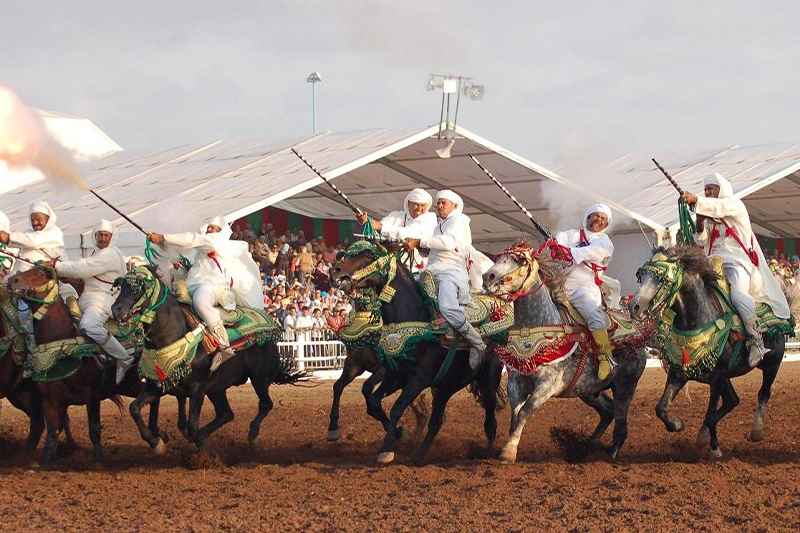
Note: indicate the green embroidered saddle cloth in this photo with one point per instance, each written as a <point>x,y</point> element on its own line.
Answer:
<point>61,359</point>
<point>696,352</point>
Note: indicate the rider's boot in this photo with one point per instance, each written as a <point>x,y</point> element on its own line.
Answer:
<point>477,346</point>
<point>225,351</point>
<point>756,343</point>
<point>604,353</point>
<point>123,357</point>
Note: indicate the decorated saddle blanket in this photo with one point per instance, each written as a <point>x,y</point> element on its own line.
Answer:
<point>696,352</point>
<point>526,349</point>
<point>245,326</point>
<point>490,316</point>
<point>362,330</point>
<point>61,359</point>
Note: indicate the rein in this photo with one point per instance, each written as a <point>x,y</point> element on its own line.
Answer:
<point>51,296</point>
<point>669,273</point>
<point>141,279</point>
<point>525,257</point>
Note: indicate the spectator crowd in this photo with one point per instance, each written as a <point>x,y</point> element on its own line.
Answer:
<point>296,285</point>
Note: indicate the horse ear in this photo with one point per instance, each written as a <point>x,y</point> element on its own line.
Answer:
<point>392,247</point>
<point>153,269</point>
<point>118,282</point>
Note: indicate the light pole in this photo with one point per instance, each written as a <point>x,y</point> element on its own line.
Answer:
<point>313,78</point>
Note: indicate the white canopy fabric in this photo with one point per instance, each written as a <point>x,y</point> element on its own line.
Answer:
<point>766,177</point>
<point>375,168</point>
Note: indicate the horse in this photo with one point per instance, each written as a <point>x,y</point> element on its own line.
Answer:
<point>21,392</point>
<point>261,364</point>
<point>682,279</point>
<point>516,276</point>
<point>89,385</point>
<point>422,367</point>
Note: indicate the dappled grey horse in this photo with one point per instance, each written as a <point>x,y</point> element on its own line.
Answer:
<point>516,272</point>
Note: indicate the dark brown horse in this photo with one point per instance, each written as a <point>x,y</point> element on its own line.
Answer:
<point>89,385</point>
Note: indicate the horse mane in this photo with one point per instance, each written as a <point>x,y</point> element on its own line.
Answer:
<point>694,261</point>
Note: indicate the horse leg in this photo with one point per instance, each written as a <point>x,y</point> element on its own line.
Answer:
<point>543,392</point>
<point>624,388</point>
<point>148,395</point>
<point>182,416</point>
<point>488,379</point>
<point>374,396</point>
<point>53,416</point>
<point>195,408</point>
<point>67,426</point>
<point>764,393</point>
<point>710,421</point>
<point>350,371</point>
<point>152,420</point>
<point>441,396</point>
<point>222,415</point>
<point>605,408</point>
<point>265,404</point>
<point>422,413</point>
<point>30,404</point>
<point>93,412</point>
<point>412,389</point>
<point>674,385</point>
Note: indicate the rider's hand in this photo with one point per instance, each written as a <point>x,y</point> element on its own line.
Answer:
<point>689,198</point>
<point>362,218</point>
<point>4,237</point>
<point>410,244</point>
<point>156,238</point>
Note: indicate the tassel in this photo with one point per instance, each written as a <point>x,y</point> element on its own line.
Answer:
<point>685,357</point>
<point>161,375</point>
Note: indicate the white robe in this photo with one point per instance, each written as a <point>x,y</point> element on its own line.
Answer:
<point>763,286</point>
<point>399,225</point>
<point>580,287</point>
<point>450,246</point>
<point>236,278</point>
<point>98,272</point>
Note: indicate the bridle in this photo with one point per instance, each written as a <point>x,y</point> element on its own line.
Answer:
<point>384,265</point>
<point>50,290</point>
<point>669,273</point>
<point>527,270</point>
<point>141,281</point>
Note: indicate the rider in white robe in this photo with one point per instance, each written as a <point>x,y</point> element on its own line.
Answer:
<point>591,253</point>
<point>223,273</point>
<point>99,271</point>
<point>415,221</point>
<point>726,233</point>
<point>450,246</point>
<point>43,242</point>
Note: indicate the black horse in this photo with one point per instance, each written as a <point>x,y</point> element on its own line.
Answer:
<point>262,365</point>
<point>427,358</point>
<point>683,280</point>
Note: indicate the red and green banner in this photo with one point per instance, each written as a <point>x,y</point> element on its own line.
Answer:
<point>332,230</point>
<point>787,246</point>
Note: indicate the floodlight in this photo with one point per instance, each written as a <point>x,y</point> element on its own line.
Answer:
<point>314,77</point>
<point>476,92</point>
<point>450,85</point>
<point>431,84</point>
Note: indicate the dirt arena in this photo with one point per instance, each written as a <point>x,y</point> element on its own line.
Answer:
<point>296,481</point>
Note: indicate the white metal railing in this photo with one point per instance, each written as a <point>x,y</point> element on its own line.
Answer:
<point>314,350</point>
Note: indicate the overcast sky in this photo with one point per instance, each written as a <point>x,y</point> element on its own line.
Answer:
<point>564,80</point>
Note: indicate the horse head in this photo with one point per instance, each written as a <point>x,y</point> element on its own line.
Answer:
<point>365,264</point>
<point>38,283</point>
<point>664,275</point>
<point>137,289</point>
<point>514,271</point>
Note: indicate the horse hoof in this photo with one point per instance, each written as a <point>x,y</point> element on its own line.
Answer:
<point>715,453</point>
<point>509,454</point>
<point>676,426</point>
<point>385,458</point>
<point>160,448</point>
<point>756,434</point>
<point>334,434</point>
<point>703,437</point>
<point>255,441</point>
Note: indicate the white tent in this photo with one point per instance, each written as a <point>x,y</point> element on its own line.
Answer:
<point>172,189</point>
<point>79,135</point>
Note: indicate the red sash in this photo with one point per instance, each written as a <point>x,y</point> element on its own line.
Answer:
<point>730,231</point>
<point>596,269</point>
<point>213,255</point>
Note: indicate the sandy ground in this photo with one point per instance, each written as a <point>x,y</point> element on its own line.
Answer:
<point>296,481</point>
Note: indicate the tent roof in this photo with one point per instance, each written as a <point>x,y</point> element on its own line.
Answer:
<point>375,168</point>
<point>756,173</point>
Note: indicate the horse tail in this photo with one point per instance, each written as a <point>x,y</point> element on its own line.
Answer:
<point>286,373</point>
<point>120,402</point>
<point>484,394</point>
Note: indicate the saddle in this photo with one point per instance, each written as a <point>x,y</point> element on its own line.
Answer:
<point>244,325</point>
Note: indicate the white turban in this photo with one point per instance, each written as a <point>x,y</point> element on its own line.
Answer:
<point>103,225</point>
<point>725,188</point>
<point>447,194</point>
<point>5,223</point>
<point>43,207</point>
<point>418,196</point>
<point>597,208</point>
<point>220,222</point>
